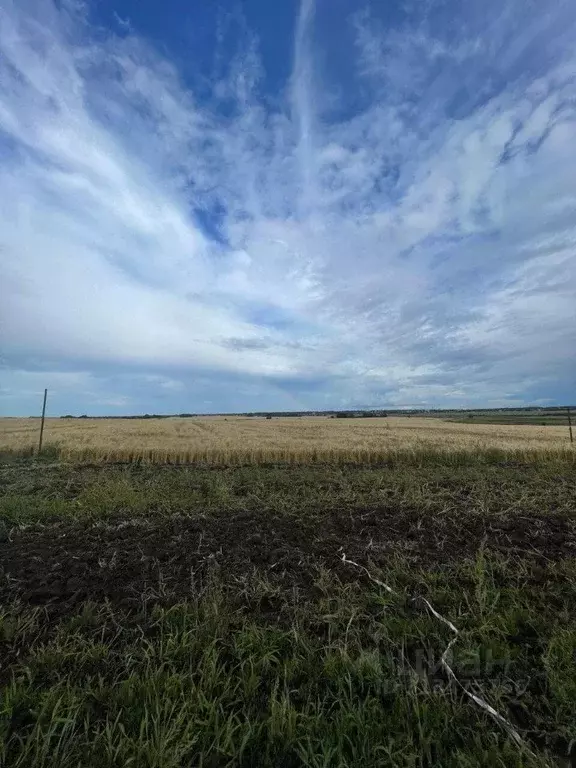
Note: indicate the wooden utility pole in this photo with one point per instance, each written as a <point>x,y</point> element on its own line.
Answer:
<point>42,423</point>
<point>570,426</point>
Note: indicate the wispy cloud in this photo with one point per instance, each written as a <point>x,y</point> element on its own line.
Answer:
<point>417,248</point>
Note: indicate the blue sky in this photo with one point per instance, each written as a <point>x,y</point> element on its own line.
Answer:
<point>237,206</point>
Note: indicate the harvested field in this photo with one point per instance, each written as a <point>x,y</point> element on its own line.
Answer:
<point>245,440</point>
<point>170,616</point>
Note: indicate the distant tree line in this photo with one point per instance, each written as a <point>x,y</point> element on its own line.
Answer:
<point>140,416</point>
<point>360,414</point>
<point>345,414</point>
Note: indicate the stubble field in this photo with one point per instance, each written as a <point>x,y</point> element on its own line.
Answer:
<point>298,612</point>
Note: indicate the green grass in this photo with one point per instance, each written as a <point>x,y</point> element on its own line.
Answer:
<point>314,666</point>
<point>544,419</point>
<point>345,679</point>
<point>43,492</point>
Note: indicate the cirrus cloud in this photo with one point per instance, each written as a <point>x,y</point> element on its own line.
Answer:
<point>414,245</point>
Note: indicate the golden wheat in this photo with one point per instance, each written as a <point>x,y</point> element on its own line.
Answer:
<point>254,440</point>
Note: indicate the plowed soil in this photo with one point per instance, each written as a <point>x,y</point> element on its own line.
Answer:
<point>69,562</point>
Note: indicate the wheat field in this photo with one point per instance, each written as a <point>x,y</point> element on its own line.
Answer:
<point>236,438</point>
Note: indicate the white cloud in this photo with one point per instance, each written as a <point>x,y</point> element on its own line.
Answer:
<point>84,391</point>
<point>164,383</point>
<point>23,383</point>
<point>422,247</point>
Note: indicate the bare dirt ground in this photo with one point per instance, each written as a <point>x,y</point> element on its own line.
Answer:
<point>68,562</point>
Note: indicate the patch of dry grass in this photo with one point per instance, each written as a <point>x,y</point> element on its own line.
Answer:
<point>238,439</point>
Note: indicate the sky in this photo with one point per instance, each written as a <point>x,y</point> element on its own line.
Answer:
<point>245,206</point>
